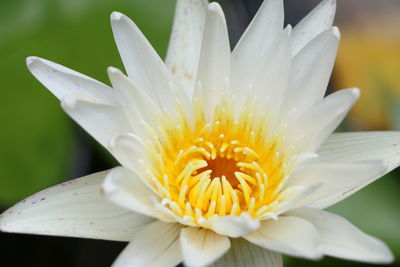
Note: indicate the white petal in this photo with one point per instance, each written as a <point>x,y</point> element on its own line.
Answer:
<point>163,208</point>
<point>63,82</point>
<point>342,239</point>
<point>86,100</point>
<point>271,76</point>
<point>311,70</point>
<point>157,245</point>
<point>214,65</point>
<point>130,151</point>
<point>137,104</point>
<point>257,41</point>
<point>145,68</point>
<point>201,247</point>
<point>317,21</point>
<point>294,196</point>
<point>125,189</point>
<point>185,43</point>
<point>338,180</point>
<point>75,208</point>
<point>102,121</point>
<point>245,254</point>
<point>359,146</point>
<point>311,128</point>
<point>289,235</point>
<point>289,197</point>
<point>233,226</point>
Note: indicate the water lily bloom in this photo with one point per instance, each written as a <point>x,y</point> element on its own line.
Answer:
<point>227,158</point>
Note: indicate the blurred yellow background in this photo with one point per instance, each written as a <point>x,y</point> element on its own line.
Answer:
<point>369,58</point>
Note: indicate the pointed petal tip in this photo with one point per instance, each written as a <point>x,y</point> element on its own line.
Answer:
<point>386,255</point>
<point>108,187</point>
<point>116,16</point>
<point>30,60</point>
<point>116,77</point>
<point>353,92</point>
<point>117,140</point>
<point>331,3</point>
<point>288,30</point>
<point>112,143</point>
<point>113,71</point>
<point>69,101</point>
<point>356,92</point>
<point>336,32</point>
<point>215,7</point>
<point>389,257</point>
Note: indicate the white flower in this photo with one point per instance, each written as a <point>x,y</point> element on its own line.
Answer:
<point>227,158</point>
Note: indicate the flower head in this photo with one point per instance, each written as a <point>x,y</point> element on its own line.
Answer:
<point>220,152</point>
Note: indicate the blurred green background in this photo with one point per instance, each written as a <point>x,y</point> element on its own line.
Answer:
<point>41,146</point>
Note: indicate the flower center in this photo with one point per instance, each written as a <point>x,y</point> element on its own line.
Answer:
<point>222,167</point>
<point>225,167</point>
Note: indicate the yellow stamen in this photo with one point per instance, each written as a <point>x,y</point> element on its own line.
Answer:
<point>225,166</point>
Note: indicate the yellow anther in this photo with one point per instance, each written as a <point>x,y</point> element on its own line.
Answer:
<point>201,195</point>
<point>235,210</point>
<point>208,194</point>
<point>227,189</point>
<point>252,205</point>
<point>186,172</point>
<point>223,147</point>
<point>250,152</point>
<point>222,207</point>
<point>246,190</point>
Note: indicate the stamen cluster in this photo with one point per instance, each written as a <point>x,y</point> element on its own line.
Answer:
<point>226,167</point>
